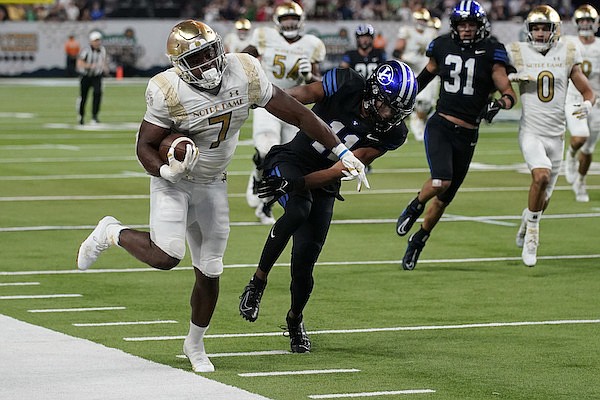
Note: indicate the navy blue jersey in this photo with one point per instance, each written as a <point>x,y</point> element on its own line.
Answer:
<point>340,109</point>
<point>364,65</point>
<point>466,75</point>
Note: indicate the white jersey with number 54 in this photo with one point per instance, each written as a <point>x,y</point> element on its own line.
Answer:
<point>279,58</point>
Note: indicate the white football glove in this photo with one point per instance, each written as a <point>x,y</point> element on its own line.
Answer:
<point>583,109</point>
<point>175,170</point>
<point>305,69</point>
<point>521,77</point>
<point>356,169</point>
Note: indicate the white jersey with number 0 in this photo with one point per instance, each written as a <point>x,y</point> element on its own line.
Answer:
<point>543,98</point>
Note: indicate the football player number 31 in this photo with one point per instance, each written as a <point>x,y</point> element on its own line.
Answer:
<point>454,85</point>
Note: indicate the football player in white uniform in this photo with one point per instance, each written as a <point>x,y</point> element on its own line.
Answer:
<point>411,44</point>
<point>584,132</point>
<point>544,65</point>
<point>289,59</point>
<point>207,95</point>
<point>238,40</point>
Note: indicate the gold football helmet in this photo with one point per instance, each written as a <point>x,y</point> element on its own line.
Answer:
<point>543,15</point>
<point>586,19</point>
<point>435,22</point>
<point>421,18</point>
<point>197,52</point>
<point>243,27</point>
<point>291,27</point>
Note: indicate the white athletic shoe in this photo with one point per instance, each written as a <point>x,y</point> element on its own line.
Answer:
<point>96,243</point>
<point>520,238</point>
<point>264,214</point>
<point>251,192</point>
<point>532,240</point>
<point>571,167</point>
<point>581,194</point>
<point>197,357</point>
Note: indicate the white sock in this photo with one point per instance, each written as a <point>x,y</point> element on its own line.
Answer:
<point>196,335</point>
<point>113,231</point>
<point>533,217</point>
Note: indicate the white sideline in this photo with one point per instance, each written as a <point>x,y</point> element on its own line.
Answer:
<point>38,363</point>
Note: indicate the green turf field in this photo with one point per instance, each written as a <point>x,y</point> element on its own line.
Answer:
<point>470,322</point>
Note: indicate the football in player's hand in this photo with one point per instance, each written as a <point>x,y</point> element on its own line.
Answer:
<point>179,142</point>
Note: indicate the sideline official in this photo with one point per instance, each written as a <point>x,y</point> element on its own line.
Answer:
<point>92,65</point>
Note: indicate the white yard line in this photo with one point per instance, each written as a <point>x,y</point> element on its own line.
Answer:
<point>39,296</point>
<point>121,323</point>
<point>59,310</point>
<point>38,363</point>
<point>369,394</point>
<point>245,354</point>
<point>373,330</point>
<point>318,264</point>
<point>19,284</point>
<point>304,372</point>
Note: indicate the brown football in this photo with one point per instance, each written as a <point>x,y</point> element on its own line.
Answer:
<point>179,141</point>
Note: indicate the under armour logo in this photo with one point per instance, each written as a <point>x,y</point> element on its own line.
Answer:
<point>234,93</point>
<point>385,75</point>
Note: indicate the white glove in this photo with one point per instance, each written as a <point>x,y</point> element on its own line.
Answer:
<point>175,170</point>
<point>356,169</point>
<point>305,69</point>
<point>583,109</point>
<point>521,77</point>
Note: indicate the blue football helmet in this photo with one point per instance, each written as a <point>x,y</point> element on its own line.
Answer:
<point>394,84</point>
<point>365,30</point>
<point>469,10</point>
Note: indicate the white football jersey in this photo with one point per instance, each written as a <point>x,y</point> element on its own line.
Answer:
<point>280,58</point>
<point>416,44</point>
<point>590,53</point>
<point>212,121</point>
<point>233,43</point>
<point>543,99</point>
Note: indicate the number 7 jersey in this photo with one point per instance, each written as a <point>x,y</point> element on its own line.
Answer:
<point>466,75</point>
<point>212,121</point>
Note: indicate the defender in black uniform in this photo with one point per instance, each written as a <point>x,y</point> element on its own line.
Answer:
<point>365,58</point>
<point>367,116</point>
<point>471,66</point>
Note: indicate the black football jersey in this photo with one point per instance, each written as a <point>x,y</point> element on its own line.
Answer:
<point>364,65</point>
<point>466,75</point>
<point>340,109</point>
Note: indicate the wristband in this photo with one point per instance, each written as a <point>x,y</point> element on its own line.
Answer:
<point>512,100</point>
<point>340,150</point>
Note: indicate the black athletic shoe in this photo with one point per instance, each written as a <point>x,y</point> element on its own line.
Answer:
<point>413,251</point>
<point>409,216</point>
<point>299,340</point>
<point>250,300</point>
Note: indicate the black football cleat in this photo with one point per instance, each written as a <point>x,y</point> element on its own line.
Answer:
<point>413,251</point>
<point>299,340</point>
<point>250,300</point>
<point>409,216</point>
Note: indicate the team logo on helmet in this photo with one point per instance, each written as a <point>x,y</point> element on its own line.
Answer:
<point>385,75</point>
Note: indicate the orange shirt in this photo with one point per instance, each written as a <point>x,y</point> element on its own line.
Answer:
<point>72,47</point>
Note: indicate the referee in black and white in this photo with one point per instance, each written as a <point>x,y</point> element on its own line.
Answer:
<point>92,65</point>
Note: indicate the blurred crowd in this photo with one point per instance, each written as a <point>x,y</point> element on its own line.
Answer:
<point>261,10</point>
